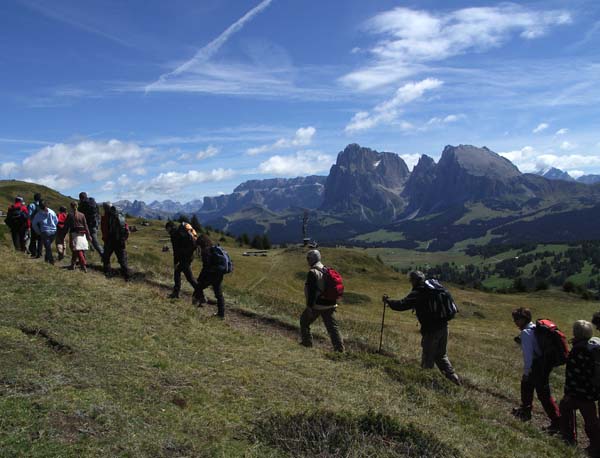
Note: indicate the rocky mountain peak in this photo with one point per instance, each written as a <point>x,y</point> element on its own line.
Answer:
<point>556,174</point>
<point>477,162</point>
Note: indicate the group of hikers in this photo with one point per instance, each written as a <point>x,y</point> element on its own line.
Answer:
<point>35,227</point>
<point>543,345</point>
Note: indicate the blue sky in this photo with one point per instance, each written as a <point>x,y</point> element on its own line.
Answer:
<point>182,99</point>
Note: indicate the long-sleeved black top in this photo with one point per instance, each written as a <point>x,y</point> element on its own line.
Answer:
<point>579,373</point>
<point>417,300</point>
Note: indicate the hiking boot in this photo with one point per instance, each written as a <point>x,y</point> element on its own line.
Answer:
<point>522,413</point>
<point>174,295</point>
<point>455,379</point>
<point>553,428</point>
<point>218,315</point>
<point>211,302</point>
<point>306,344</point>
<point>84,269</point>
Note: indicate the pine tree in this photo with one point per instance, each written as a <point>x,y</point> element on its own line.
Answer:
<point>266,243</point>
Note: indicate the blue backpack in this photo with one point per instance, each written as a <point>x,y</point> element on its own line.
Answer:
<point>220,260</point>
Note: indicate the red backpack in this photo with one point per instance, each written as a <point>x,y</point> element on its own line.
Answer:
<point>334,285</point>
<point>552,342</point>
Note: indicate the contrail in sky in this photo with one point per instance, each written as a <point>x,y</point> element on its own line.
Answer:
<point>206,52</point>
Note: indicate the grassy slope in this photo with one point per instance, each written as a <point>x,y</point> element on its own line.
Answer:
<point>149,377</point>
<point>11,188</point>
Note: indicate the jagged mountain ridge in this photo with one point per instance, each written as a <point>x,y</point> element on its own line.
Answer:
<point>469,193</point>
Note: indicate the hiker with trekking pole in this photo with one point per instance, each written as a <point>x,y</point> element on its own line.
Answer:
<point>434,307</point>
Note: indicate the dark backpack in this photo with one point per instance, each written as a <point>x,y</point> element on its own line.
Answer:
<point>186,238</point>
<point>334,285</point>
<point>119,227</point>
<point>552,342</point>
<point>220,260</point>
<point>440,304</point>
<point>15,217</point>
<point>594,348</point>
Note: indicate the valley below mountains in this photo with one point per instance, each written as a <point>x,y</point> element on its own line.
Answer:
<point>471,196</point>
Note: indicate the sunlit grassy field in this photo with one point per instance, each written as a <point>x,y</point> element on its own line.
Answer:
<point>98,367</point>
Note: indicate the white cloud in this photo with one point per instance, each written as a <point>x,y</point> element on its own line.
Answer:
<point>567,146</point>
<point>170,183</point>
<point>8,169</point>
<point>108,186</point>
<point>576,173</point>
<point>562,131</point>
<point>411,159</point>
<point>413,38</point>
<point>302,137</point>
<point>528,159</point>
<point>301,163</point>
<point>389,110</point>
<point>210,151</point>
<point>445,120</point>
<point>67,164</point>
<point>540,128</point>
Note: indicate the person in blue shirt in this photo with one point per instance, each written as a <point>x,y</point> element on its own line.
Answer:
<point>536,377</point>
<point>44,224</point>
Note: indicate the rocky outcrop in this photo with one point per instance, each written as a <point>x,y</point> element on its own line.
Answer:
<point>589,179</point>
<point>366,184</point>
<point>556,174</point>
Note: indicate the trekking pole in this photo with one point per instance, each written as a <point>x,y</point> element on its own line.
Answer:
<point>382,323</point>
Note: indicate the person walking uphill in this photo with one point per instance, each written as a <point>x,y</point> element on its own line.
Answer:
<point>35,243</point>
<point>434,307</point>
<point>183,239</point>
<point>61,232</point>
<point>77,227</point>
<point>317,305</point>
<point>580,391</point>
<point>88,206</point>
<point>536,374</point>
<point>116,241</point>
<point>215,264</point>
<point>44,224</point>
<point>17,220</point>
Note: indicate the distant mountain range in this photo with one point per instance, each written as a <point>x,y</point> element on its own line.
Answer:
<point>470,196</point>
<point>557,174</point>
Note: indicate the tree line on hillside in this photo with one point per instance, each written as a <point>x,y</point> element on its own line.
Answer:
<point>549,269</point>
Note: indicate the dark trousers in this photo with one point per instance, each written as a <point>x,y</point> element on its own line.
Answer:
<point>118,248</point>
<point>18,238</point>
<point>95,242</point>
<point>539,381</point>
<point>183,266</point>
<point>310,315</point>
<point>35,244</point>
<point>215,280</point>
<point>568,409</point>
<point>47,240</point>
<point>434,345</point>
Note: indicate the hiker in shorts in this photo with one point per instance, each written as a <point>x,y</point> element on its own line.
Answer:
<point>44,224</point>
<point>209,276</point>
<point>61,232</point>
<point>434,329</point>
<point>184,248</point>
<point>580,391</point>
<point>536,375</point>
<point>317,306</point>
<point>17,219</point>
<point>79,234</point>
<point>35,242</point>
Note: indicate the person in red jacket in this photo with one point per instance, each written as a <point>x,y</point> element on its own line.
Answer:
<point>61,232</point>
